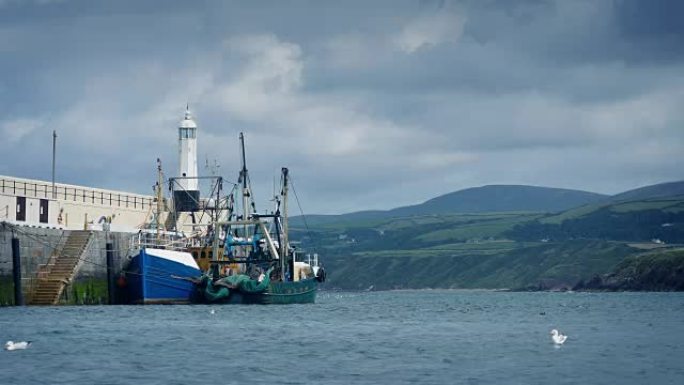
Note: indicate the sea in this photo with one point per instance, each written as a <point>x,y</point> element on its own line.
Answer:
<point>392,337</point>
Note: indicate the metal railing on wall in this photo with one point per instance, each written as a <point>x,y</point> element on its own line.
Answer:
<point>74,194</point>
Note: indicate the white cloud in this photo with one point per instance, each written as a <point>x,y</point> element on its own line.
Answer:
<point>430,30</point>
<point>272,65</point>
<point>354,51</point>
<point>267,89</point>
<point>16,129</point>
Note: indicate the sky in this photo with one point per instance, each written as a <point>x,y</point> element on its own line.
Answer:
<point>371,104</point>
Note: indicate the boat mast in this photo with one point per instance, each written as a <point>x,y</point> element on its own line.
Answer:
<point>160,204</point>
<point>245,186</point>
<point>217,228</point>
<point>283,247</point>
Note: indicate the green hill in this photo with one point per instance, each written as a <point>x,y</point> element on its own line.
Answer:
<point>492,266</point>
<point>643,220</point>
<point>661,190</point>
<point>502,198</point>
<point>486,199</point>
<point>509,249</point>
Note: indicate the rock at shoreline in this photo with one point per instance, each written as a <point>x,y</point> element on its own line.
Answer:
<point>658,271</point>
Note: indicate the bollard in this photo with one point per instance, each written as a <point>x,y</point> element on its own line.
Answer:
<point>16,272</point>
<point>110,274</point>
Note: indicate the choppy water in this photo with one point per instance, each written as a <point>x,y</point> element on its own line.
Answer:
<point>424,337</point>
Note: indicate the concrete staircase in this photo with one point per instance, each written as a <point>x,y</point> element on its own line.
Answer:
<point>60,270</point>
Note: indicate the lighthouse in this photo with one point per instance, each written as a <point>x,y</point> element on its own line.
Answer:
<point>187,151</point>
<point>186,193</point>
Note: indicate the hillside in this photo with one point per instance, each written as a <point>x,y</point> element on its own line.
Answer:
<point>488,265</point>
<point>655,271</point>
<point>424,246</point>
<point>502,198</point>
<point>486,199</point>
<point>642,221</point>
<point>651,192</point>
<point>496,250</point>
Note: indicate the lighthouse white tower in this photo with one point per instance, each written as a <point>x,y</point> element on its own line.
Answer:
<point>186,191</point>
<point>187,152</point>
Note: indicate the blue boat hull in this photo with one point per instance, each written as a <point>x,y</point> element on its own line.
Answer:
<point>152,279</point>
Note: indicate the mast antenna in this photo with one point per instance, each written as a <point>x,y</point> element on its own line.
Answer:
<point>245,185</point>
<point>160,204</point>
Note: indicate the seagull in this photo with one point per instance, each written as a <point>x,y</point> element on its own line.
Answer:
<point>11,345</point>
<point>212,311</point>
<point>558,338</point>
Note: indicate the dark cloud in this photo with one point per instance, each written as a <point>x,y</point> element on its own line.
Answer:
<point>653,19</point>
<point>371,104</point>
<point>652,29</point>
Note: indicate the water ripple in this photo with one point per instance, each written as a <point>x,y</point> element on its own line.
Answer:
<point>407,337</point>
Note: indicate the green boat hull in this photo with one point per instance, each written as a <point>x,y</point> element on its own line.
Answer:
<point>277,293</point>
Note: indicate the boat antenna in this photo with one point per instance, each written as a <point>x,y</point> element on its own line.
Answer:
<point>245,186</point>
<point>284,247</point>
<point>160,204</point>
<point>216,227</point>
<point>317,245</point>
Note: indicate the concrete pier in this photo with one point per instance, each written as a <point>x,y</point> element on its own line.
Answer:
<point>35,246</point>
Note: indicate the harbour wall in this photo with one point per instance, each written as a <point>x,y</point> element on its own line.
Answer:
<point>37,244</point>
<point>31,202</point>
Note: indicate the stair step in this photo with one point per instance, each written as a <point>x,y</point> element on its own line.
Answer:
<point>52,277</point>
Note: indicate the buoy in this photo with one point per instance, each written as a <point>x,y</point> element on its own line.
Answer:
<point>121,282</point>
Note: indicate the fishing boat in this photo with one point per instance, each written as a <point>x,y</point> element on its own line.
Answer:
<point>159,256</point>
<point>237,258</point>
<point>150,275</point>
<point>251,260</point>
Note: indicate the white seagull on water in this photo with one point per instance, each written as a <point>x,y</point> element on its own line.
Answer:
<point>11,345</point>
<point>558,338</point>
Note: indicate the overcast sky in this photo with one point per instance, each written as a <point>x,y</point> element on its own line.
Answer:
<point>372,104</point>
